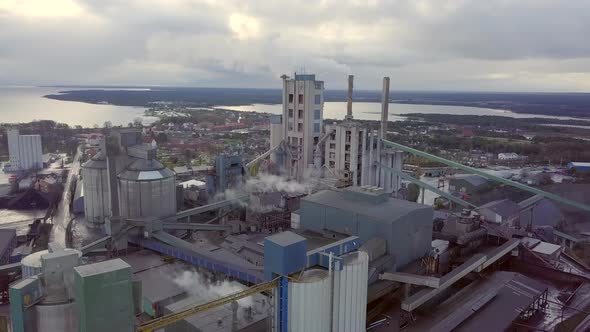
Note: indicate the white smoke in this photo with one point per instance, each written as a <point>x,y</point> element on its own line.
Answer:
<point>195,284</point>
<point>267,183</point>
<point>270,183</point>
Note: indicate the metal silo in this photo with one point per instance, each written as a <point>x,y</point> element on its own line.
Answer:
<point>97,203</point>
<point>309,302</point>
<point>350,293</point>
<point>147,189</point>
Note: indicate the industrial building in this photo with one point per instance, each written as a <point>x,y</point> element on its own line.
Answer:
<point>351,150</point>
<point>504,212</point>
<point>578,167</point>
<point>469,184</point>
<point>144,187</point>
<point>330,260</point>
<point>303,114</point>
<point>25,151</point>
<point>367,212</point>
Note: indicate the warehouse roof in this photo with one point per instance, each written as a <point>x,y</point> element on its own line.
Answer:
<point>546,248</point>
<point>578,164</point>
<point>503,207</point>
<point>389,210</point>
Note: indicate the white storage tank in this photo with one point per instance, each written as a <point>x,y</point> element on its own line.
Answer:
<point>97,204</point>
<point>57,317</point>
<point>147,189</point>
<point>350,293</point>
<point>309,302</point>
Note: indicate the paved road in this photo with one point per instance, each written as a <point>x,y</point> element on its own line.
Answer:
<point>63,215</point>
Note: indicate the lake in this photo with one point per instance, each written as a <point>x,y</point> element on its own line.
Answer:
<point>372,111</point>
<point>25,104</point>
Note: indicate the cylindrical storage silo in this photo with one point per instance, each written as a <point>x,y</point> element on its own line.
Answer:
<point>97,204</point>
<point>57,317</point>
<point>31,264</point>
<point>350,293</point>
<point>309,302</point>
<point>147,189</point>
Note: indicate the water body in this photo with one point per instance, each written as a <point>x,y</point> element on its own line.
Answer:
<point>372,111</point>
<point>25,104</point>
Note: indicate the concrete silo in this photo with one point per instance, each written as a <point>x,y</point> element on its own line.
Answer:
<point>97,204</point>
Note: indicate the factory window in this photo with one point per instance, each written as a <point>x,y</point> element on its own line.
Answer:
<point>290,97</point>
<point>347,147</point>
<point>300,114</point>
<point>300,127</point>
<point>290,113</point>
<point>332,145</point>
<point>332,164</point>
<point>318,99</point>
<point>317,114</point>
<point>318,85</point>
<point>332,136</point>
<point>347,157</point>
<point>300,98</point>
<point>316,140</point>
<point>332,155</point>
<point>290,125</point>
<point>316,127</point>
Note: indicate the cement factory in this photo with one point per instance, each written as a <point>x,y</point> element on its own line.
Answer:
<point>325,243</point>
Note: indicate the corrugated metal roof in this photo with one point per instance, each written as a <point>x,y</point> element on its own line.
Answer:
<point>546,248</point>
<point>390,210</point>
<point>504,207</point>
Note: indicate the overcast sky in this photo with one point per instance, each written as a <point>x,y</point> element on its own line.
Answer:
<point>494,45</point>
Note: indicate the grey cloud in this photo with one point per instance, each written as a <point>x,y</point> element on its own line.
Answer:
<point>422,44</point>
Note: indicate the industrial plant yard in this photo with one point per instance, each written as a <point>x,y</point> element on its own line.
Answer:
<point>324,227</point>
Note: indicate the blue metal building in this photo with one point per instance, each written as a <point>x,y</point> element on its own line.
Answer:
<point>579,167</point>
<point>367,212</point>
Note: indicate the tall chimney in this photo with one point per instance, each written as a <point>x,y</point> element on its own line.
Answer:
<point>384,108</point>
<point>349,99</point>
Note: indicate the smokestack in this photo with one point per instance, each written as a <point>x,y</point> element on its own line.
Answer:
<point>384,108</point>
<point>349,99</point>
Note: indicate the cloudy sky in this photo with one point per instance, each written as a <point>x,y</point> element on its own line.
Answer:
<point>492,45</point>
